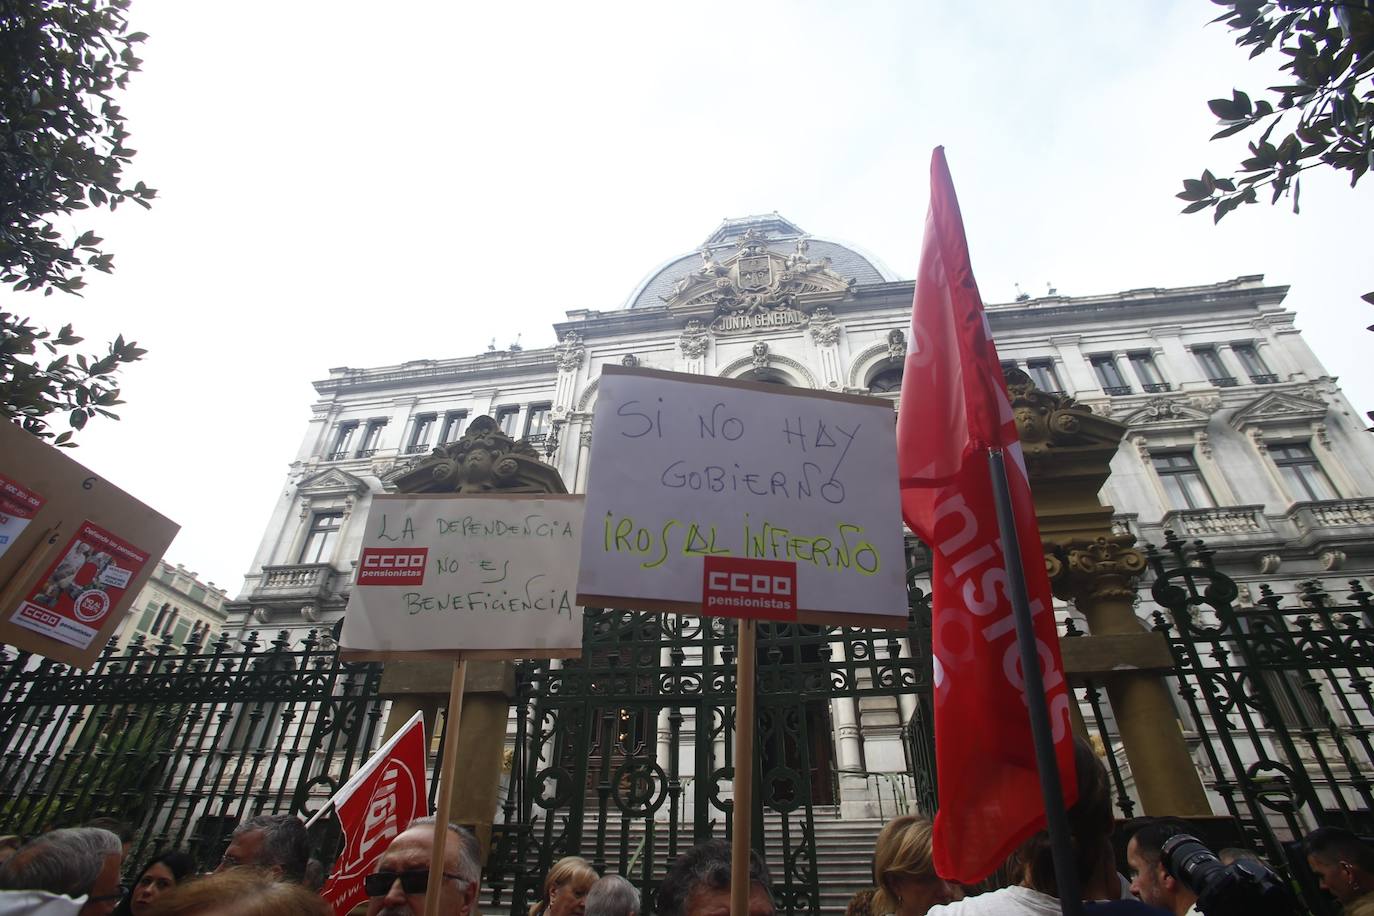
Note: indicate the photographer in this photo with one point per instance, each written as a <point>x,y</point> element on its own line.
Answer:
<point>1150,880</point>
<point>1345,867</point>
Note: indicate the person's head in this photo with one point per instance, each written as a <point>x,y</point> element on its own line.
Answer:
<point>397,884</point>
<point>75,862</point>
<point>239,892</point>
<point>1090,827</point>
<point>698,884</point>
<point>566,887</point>
<point>1341,861</point>
<point>1151,879</point>
<point>9,845</point>
<point>277,843</point>
<point>164,871</point>
<point>861,904</point>
<point>904,869</point>
<point>612,896</point>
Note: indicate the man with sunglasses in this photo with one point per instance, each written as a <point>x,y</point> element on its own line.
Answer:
<point>1345,867</point>
<point>397,885</point>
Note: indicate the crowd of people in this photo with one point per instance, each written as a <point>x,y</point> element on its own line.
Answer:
<point>267,871</point>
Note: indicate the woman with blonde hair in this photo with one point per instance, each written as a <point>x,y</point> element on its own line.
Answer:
<point>565,888</point>
<point>904,870</point>
<point>239,892</point>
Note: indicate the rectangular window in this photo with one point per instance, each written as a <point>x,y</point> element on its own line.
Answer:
<point>372,437</point>
<point>1042,372</point>
<point>1145,369</point>
<point>454,421</point>
<point>1301,472</point>
<point>537,422</point>
<point>1253,365</point>
<point>506,418</point>
<point>1210,362</point>
<point>1109,374</point>
<point>343,438</point>
<point>1183,483</point>
<point>419,435</point>
<point>320,541</point>
<point>198,593</point>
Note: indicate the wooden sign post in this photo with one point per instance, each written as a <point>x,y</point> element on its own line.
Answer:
<point>738,499</point>
<point>459,577</point>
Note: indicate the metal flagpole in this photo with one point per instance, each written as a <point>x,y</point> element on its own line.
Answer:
<point>1056,818</point>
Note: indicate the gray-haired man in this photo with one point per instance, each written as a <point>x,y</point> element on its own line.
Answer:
<point>275,843</point>
<point>612,895</point>
<point>397,885</point>
<point>84,861</point>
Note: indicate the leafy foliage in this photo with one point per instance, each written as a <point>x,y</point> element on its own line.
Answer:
<point>1324,116</point>
<point>62,150</point>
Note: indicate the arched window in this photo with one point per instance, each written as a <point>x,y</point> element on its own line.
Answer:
<point>768,376</point>
<point>886,382</point>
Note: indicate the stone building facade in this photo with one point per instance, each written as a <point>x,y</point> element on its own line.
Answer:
<point>175,604</point>
<point>1235,431</point>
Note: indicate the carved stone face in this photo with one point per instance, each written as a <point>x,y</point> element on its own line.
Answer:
<point>478,463</point>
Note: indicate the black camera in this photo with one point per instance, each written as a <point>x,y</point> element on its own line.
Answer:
<point>1243,888</point>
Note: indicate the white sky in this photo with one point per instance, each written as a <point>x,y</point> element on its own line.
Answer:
<point>358,184</point>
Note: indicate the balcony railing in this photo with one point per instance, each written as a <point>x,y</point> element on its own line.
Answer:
<point>366,452</point>
<point>1156,387</point>
<point>417,448</point>
<point>1117,390</point>
<point>1332,513</point>
<point>338,456</point>
<point>1224,381</point>
<point>305,580</point>
<point>1264,378</point>
<point>1231,520</point>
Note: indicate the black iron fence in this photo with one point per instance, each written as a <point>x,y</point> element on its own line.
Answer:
<point>181,742</point>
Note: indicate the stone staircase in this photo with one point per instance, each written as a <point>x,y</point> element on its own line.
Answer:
<point>844,851</point>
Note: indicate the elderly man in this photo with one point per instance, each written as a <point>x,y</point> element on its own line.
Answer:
<point>277,844</point>
<point>698,884</point>
<point>81,862</point>
<point>397,886</point>
<point>612,895</point>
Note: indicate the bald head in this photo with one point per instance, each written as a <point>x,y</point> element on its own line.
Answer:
<point>410,852</point>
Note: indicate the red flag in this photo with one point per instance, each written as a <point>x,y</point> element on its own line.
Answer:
<point>954,408</point>
<point>374,807</point>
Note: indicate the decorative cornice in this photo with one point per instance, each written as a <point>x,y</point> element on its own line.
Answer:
<point>755,279</point>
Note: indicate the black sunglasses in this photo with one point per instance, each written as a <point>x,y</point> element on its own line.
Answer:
<point>412,882</point>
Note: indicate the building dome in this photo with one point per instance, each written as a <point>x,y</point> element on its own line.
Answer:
<point>779,235</point>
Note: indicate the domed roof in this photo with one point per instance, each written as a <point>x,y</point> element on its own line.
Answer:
<point>778,235</point>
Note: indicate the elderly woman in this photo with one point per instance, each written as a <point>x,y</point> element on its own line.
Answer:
<point>904,870</point>
<point>565,888</point>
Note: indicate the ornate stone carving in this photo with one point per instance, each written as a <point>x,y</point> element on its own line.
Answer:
<point>260,615</point>
<point>585,438</point>
<point>1088,572</point>
<point>1322,435</point>
<point>310,613</point>
<point>483,460</point>
<point>825,328</point>
<point>1332,560</point>
<point>1204,444</point>
<point>896,344</point>
<point>1047,420</point>
<point>760,354</point>
<point>630,360</point>
<point>1142,447</point>
<point>1269,563</point>
<point>754,287</point>
<point>694,340</point>
<point>569,352</point>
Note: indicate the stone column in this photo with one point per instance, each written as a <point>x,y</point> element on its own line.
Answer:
<point>1099,576</point>
<point>1180,366</point>
<point>846,716</point>
<point>1080,379</point>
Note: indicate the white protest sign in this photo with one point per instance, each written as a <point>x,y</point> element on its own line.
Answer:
<point>685,468</point>
<point>472,576</point>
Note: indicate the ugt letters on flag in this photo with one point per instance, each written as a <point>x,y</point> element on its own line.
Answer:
<point>373,808</point>
<point>954,409</point>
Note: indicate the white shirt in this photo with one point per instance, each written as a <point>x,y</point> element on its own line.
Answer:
<point>1009,901</point>
<point>39,903</point>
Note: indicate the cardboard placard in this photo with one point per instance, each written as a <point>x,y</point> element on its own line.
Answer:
<point>467,576</point>
<point>74,551</point>
<point>684,467</point>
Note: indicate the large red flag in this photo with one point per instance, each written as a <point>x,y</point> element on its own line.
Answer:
<point>954,408</point>
<point>374,807</point>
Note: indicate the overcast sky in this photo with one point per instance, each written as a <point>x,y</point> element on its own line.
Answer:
<point>359,184</point>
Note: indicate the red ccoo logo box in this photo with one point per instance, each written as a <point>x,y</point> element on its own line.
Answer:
<point>749,589</point>
<point>393,565</point>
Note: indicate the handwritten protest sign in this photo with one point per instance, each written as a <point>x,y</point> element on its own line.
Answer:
<point>475,576</point>
<point>686,469</point>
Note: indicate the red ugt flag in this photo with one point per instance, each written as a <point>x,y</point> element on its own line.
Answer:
<point>954,408</point>
<point>374,807</point>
